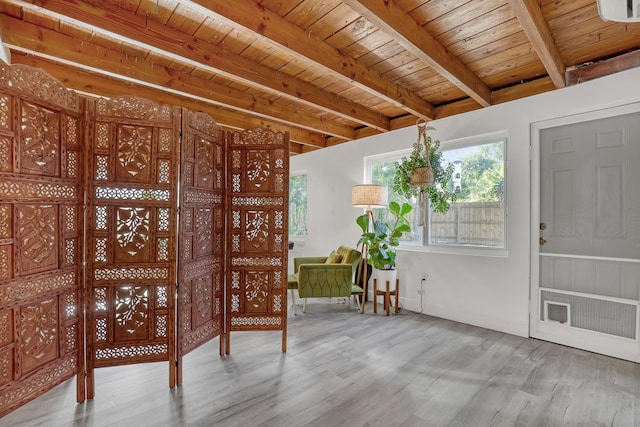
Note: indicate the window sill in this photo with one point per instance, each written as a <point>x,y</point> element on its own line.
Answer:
<point>456,250</point>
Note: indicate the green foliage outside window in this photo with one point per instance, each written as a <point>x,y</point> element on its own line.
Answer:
<point>298,205</point>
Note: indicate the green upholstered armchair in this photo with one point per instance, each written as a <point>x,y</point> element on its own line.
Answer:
<point>315,278</point>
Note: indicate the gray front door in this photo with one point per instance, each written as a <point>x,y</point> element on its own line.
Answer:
<point>587,241</point>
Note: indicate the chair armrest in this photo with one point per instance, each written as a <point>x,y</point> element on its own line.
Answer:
<point>324,280</point>
<point>307,260</point>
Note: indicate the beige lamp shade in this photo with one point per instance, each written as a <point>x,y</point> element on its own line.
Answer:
<point>369,196</point>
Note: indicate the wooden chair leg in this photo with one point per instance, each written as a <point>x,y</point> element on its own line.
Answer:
<point>397,294</point>
<point>293,300</point>
<point>387,299</point>
<point>375,295</point>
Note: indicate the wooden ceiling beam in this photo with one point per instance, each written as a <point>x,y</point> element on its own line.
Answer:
<point>522,90</point>
<point>30,38</point>
<point>535,27</point>
<point>603,68</point>
<point>94,84</point>
<point>174,44</point>
<point>416,39</point>
<point>306,46</point>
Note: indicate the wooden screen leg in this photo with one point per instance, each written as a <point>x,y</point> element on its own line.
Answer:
<point>80,387</point>
<point>91,387</point>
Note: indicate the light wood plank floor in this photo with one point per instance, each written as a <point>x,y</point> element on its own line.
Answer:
<point>347,369</point>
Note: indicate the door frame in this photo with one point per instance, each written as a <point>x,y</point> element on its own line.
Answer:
<point>604,343</point>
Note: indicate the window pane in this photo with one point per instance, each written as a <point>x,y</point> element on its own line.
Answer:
<point>382,173</point>
<point>477,218</point>
<point>298,205</point>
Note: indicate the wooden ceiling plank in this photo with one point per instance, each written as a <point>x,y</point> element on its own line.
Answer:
<point>537,30</point>
<point>517,75</point>
<point>553,9</point>
<point>417,40</point>
<point>153,34</point>
<point>496,33</point>
<point>299,42</point>
<point>30,38</point>
<point>308,12</point>
<point>467,20</point>
<point>336,20</point>
<point>97,85</point>
<point>626,41</point>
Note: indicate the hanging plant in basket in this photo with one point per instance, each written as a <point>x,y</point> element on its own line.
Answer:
<point>425,172</point>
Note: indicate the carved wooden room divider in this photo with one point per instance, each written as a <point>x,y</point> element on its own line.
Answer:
<point>95,182</point>
<point>201,246</point>
<point>131,233</point>
<point>41,225</point>
<point>257,202</point>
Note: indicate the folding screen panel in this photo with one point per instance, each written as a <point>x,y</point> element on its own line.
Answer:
<point>257,207</point>
<point>201,246</point>
<point>113,164</point>
<point>131,233</point>
<point>41,225</point>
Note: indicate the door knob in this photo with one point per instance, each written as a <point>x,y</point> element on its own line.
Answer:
<point>543,240</point>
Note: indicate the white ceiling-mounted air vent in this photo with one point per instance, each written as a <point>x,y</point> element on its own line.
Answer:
<point>619,10</point>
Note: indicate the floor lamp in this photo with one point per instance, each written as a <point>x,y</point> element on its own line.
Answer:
<point>367,196</point>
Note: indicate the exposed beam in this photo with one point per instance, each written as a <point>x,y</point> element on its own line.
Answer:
<point>522,90</point>
<point>30,38</point>
<point>603,68</point>
<point>405,31</point>
<point>306,46</point>
<point>183,47</point>
<point>97,85</point>
<point>535,27</point>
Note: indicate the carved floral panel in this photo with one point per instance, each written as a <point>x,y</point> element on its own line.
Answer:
<point>204,231</point>
<point>257,291</point>
<point>258,170</point>
<point>203,301</point>
<point>40,140</point>
<point>132,233</point>
<point>204,159</point>
<point>38,334</point>
<point>257,230</point>
<point>134,153</point>
<point>38,237</point>
<point>131,312</point>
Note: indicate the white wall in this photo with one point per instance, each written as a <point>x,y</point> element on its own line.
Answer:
<point>491,292</point>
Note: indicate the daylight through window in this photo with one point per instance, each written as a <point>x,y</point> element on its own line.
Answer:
<point>298,205</point>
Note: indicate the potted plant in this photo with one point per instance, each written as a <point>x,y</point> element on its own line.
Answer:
<point>382,240</point>
<point>425,171</point>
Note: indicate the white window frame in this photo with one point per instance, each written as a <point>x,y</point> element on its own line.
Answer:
<point>451,248</point>
<point>455,248</point>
